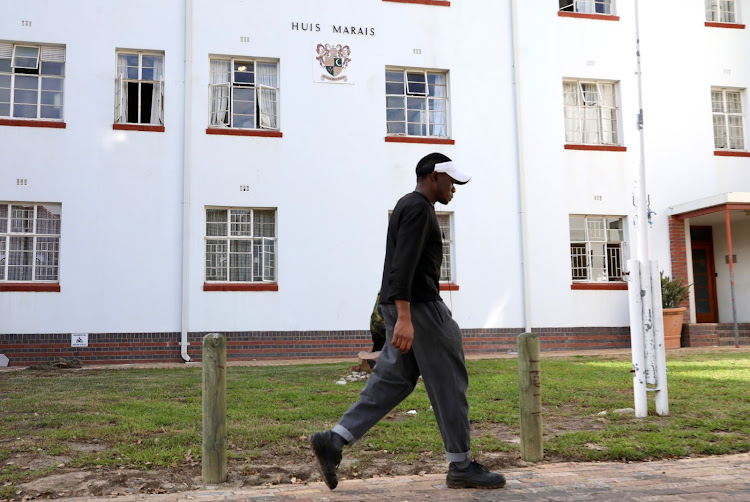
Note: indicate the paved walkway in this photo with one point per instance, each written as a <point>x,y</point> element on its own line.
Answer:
<point>723,478</point>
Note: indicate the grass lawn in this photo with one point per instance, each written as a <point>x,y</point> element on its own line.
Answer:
<point>151,418</point>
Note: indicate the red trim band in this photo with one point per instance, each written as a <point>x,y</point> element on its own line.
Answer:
<point>138,127</point>
<point>243,132</point>
<point>32,123</point>
<point>599,286</point>
<point>36,287</point>
<point>225,286</point>
<point>731,153</point>
<point>603,17</point>
<point>448,286</point>
<point>419,139</point>
<point>440,3</point>
<point>725,25</point>
<point>598,148</point>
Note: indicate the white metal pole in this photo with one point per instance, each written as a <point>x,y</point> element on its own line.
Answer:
<point>522,195</point>
<point>186,180</point>
<point>636,339</point>
<point>662,395</point>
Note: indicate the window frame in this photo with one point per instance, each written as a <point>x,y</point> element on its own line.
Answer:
<point>54,54</point>
<point>450,245</point>
<point>257,87</point>
<point>714,12</point>
<point>426,96</point>
<point>726,116</point>
<point>7,233</point>
<point>120,117</point>
<point>572,7</point>
<point>228,238</point>
<point>588,241</point>
<point>581,106</point>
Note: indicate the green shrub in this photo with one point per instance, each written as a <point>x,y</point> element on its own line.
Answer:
<point>673,292</point>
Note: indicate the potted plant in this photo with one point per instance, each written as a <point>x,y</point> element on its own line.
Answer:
<point>673,293</point>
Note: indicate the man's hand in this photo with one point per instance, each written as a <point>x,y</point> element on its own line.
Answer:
<point>403,331</point>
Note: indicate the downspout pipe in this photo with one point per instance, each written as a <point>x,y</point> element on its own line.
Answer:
<point>186,172</point>
<point>521,166</point>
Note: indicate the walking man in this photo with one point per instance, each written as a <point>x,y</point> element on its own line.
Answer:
<point>421,336</point>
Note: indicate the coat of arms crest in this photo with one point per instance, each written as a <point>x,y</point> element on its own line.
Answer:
<point>333,58</point>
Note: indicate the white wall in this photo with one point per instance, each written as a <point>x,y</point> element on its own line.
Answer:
<point>333,178</point>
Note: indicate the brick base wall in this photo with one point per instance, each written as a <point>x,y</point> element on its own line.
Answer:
<point>128,348</point>
<point>712,334</point>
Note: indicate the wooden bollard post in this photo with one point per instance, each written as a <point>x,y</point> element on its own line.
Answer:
<point>530,397</point>
<point>214,408</point>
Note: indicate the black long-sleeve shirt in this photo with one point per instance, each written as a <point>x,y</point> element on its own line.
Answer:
<point>413,252</point>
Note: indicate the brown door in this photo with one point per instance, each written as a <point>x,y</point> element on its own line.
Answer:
<point>704,274</point>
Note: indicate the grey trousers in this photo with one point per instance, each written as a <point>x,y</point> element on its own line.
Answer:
<point>437,354</point>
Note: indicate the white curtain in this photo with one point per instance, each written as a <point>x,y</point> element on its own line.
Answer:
<point>267,82</point>
<point>609,114</point>
<point>572,112</point>
<point>591,113</point>
<point>585,6</point>
<point>221,77</point>
<point>121,91</point>
<point>158,92</point>
<point>438,110</point>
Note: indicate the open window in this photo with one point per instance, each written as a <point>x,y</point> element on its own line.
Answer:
<point>244,94</point>
<point>139,88</point>
<point>31,81</point>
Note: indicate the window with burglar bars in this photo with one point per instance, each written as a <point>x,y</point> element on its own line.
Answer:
<point>29,242</point>
<point>416,103</point>
<point>721,11</point>
<point>446,267</point>
<point>603,7</point>
<point>590,112</point>
<point>240,245</point>
<point>244,94</point>
<point>139,88</point>
<point>729,132</point>
<point>31,81</point>
<point>596,248</point>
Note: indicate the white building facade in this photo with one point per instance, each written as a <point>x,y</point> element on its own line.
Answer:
<point>229,166</point>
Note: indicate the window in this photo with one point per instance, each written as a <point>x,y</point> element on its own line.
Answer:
<point>240,245</point>
<point>139,88</point>
<point>31,81</point>
<point>29,242</point>
<point>596,248</point>
<point>728,122</point>
<point>446,268</point>
<point>244,94</point>
<point>587,6</point>
<point>590,112</point>
<point>721,11</point>
<point>416,103</point>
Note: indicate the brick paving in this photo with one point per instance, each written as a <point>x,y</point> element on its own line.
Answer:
<point>721,478</point>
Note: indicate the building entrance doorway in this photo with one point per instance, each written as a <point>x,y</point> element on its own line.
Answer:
<point>704,275</point>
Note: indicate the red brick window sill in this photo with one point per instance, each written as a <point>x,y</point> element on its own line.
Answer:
<point>581,15</point>
<point>138,127</point>
<point>41,287</point>
<point>596,148</point>
<point>225,286</point>
<point>418,139</point>
<point>731,153</point>
<point>244,132</point>
<point>32,123</point>
<point>725,25</point>
<point>611,286</point>
<point>440,3</point>
<point>448,286</point>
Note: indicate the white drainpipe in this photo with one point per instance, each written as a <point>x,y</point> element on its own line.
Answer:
<point>186,165</point>
<point>526,269</point>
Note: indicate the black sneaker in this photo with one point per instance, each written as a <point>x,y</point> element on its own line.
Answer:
<point>474,476</point>
<point>328,457</point>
